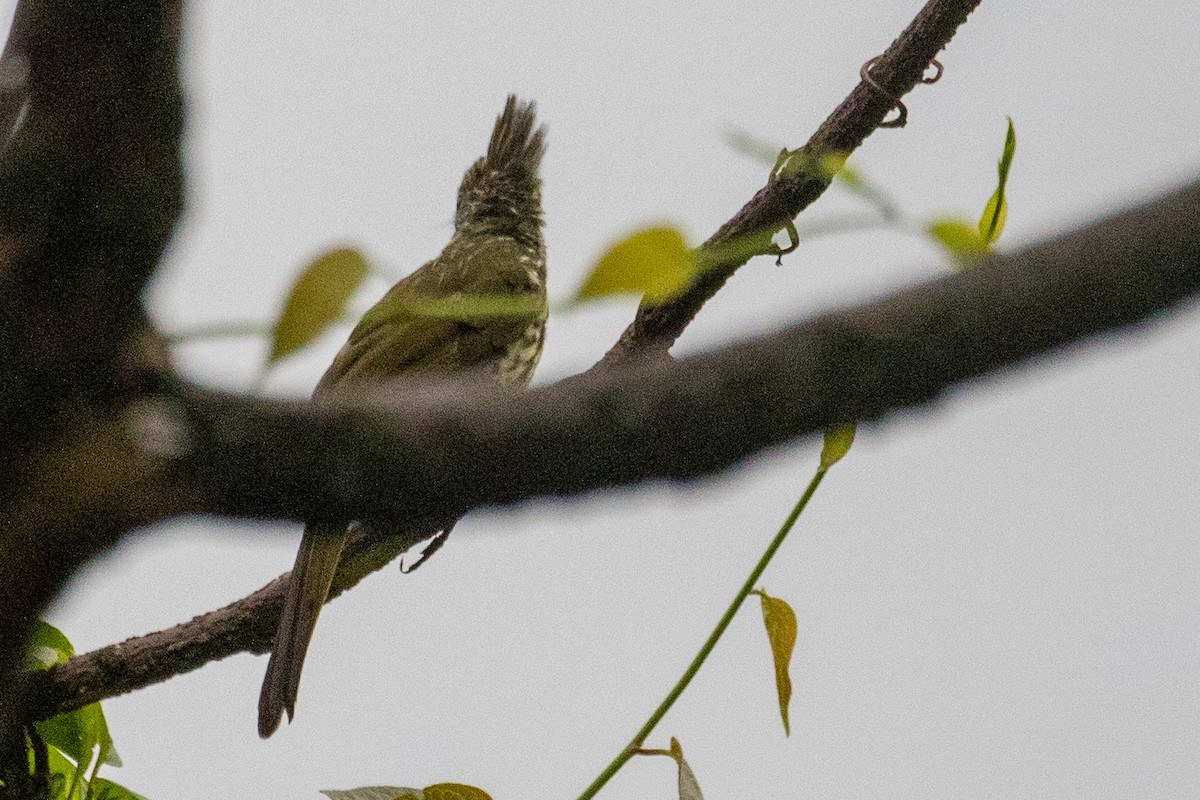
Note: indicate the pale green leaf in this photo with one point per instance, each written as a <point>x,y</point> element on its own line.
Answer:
<point>374,793</point>
<point>991,224</point>
<point>750,145</point>
<point>960,239</point>
<point>780,621</point>
<point>654,262</point>
<point>857,183</point>
<point>830,167</point>
<point>317,300</point>
<point>689,788</point>
<point>837,443</point>
<point>462,307</point>
<point>835,224</point>
<point>60,788</point>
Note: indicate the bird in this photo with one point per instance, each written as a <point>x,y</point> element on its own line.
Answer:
<point>496,251</point>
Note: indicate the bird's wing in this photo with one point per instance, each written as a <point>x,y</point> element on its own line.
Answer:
<point>402,335</point>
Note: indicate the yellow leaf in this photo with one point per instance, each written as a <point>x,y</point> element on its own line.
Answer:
<point>689,787</point>
<point>960,238</point>
<point>654,262</point>
<point>837,443</point>
<point>834,166</point>
<point>780,621</point>
<point>317,300</point>
<point>991,224</point>
<point>455,791</point>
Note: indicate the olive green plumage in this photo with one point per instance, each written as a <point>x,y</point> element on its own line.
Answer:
<point>496,251</point>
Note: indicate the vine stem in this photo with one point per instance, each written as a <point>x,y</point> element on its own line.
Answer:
<point>640,737</point>
<point>218,330</point>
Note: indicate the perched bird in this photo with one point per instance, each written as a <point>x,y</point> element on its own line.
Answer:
<point>496,251</point>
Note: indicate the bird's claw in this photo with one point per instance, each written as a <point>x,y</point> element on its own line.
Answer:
<point>432,547</point>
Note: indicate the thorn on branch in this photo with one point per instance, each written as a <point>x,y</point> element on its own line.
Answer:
<point>901,118</point>
<point>790,226</point>
<point>793,243</point>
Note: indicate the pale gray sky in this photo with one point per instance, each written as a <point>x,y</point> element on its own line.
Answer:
<point>997,596</point>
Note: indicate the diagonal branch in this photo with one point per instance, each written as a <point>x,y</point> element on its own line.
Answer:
<point>896,72</point>
<point>650,418</point>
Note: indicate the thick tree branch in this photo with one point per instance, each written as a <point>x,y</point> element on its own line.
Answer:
<point>648,419</point>
<point>426,452</point>
<point>897,71</point>
<point>14,72</point>
<point>90,187</point>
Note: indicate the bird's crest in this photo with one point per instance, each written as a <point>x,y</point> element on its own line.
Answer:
<point>501,192</point>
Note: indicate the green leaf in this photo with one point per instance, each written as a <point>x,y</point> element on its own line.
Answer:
<point>960,238</point>
<point>835,224</point>
<point>66,777</point>
<point>455,791</point>
<point>62,774</point>
<point>689,788</point>
<point>780,621</point>
<point>317,300</point>
<point>103,789</point>
<point>995,213</point>
<point>654,262</point>
<point>856,182</point>
<point>47,647</point>
<point>79,733</point>
<point>373,793</point>
<point>837,443</point>
<point>59,786</point>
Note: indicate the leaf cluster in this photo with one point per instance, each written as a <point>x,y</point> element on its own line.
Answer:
<point>62,749</point>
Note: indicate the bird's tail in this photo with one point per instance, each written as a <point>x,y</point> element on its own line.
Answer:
<point>307,590</point>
